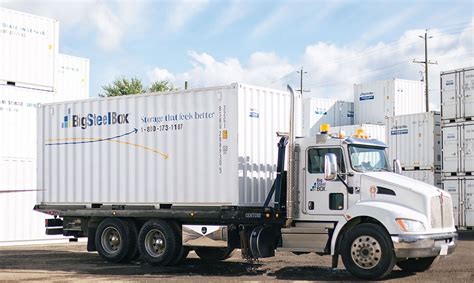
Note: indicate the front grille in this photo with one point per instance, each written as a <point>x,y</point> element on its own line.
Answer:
<point>441,212</point>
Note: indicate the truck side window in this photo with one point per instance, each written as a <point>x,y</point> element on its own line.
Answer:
<point>316,159</point>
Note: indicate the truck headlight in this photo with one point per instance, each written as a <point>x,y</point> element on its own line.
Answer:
<point>408,225</point>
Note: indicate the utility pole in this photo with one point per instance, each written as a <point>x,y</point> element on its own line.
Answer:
<point>301,90</point>
<point>426,62</point>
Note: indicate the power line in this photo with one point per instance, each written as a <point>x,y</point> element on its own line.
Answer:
<point>390,44</point>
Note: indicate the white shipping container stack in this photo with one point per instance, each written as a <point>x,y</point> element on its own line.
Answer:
<point>29,75</point>
<point>457,115</point>
<point>415,140</point>
<point>318,111</point>
<point>376,101</point>
<point>18,107</point>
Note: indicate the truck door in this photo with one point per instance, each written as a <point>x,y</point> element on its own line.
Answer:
<point>323,197</point>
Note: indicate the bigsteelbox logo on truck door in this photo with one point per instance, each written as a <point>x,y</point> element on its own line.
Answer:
<point>91,119</point>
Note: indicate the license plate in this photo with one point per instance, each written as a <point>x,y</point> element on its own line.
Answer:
<point>444,249</point>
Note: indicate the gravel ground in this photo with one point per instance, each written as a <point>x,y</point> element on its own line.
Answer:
<point>63,262</point>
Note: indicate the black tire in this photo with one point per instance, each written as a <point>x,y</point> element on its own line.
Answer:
<point>214,254</point>
<point>181,251</point>
<point>416,264</point>
<point>133,253</point>
<point>157,243</point>
<point>367,252</point>
<point>115,240</point>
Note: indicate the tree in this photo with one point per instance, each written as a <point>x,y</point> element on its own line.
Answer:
<point>123,86</point>
<point>160,86</point>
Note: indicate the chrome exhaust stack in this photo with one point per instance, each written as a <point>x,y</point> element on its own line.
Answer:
<point>290,194</point>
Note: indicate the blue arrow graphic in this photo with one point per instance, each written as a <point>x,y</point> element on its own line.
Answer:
<point>135,130</point>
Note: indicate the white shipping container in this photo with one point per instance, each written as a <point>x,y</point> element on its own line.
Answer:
<point>376,101</point>
<point>28,49</point>
<point>210,146</point>
<point>18,120</point>
<point>458,147</point>
<point>457,94</point>
<point>462,193</point>
<point>415,140</point>
<point>72,78</point>
<point>426,176</point>
<point>318,111</point>
<point>17,199</point>
<point>371,131</point>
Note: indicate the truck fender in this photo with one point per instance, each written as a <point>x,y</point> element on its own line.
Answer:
<point>382,212</point>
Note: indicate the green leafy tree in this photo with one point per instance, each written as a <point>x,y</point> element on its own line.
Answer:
<point>160,86</point>
<point>123,86</point>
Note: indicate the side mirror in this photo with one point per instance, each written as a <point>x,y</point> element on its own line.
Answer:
<point>397,167</point>
<point>330,167</point>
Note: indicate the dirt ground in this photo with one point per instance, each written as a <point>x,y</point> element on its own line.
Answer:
<point>62,262</point>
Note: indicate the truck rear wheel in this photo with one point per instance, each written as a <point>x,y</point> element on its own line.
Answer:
<point>416,264</point>
<point>214,254</point>
<point>133,250</point>
<point>115,240</point>
<point>367,253</point>
<point>157,243</point>
<point>181,251</point>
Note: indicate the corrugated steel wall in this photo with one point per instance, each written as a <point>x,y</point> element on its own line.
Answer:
<point>204,162</point>
<point>72,78</point>
<point>415,140</point>
<point>28,49</point>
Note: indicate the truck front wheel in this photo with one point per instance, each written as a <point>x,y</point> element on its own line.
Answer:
<point>115,240</point>
<point>214,254</point>
<point>367,253</point>
<point>416,264</point>
<point>157,242</point>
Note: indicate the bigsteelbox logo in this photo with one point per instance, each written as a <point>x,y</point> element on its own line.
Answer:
<point>91,119</point>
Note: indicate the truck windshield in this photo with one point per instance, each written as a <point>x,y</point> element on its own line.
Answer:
<point>367,158</point>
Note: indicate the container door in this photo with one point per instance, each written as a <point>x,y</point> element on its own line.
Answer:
<point>469,202</point>
<point>468,93</point>
<point>323,197</point>
<point>468,148</point>
<point>453,188</point>
<point>448,96</point>
<point>450,149</point>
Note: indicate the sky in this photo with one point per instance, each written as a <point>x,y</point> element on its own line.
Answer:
<point>265,43</point>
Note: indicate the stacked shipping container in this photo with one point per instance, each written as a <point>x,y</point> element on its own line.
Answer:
<point>415,139</point>
<point>457,115</point>
<point>31,72</point>
<point>376,101</point>
<point>318,111</point>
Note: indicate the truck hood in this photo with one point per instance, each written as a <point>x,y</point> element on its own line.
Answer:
<point>397,189</point>
<point>401,182</point>
<point>409,194</point>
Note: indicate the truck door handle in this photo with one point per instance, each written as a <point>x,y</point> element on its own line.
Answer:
<point>311,205</point>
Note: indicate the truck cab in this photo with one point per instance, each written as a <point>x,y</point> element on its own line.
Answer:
<point>351,203</point>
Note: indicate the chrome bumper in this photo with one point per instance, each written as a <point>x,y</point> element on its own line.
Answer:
<point>412,246</point>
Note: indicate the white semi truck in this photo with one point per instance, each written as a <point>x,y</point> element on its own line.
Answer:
<point>198,172</point>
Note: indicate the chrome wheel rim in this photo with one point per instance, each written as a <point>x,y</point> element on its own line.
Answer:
<point>366,252</point>
<point>111,240</point>
<point>155,243</point>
